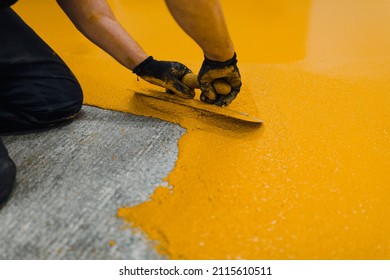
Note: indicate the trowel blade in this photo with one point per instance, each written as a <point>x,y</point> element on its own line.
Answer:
<point>196,104</point>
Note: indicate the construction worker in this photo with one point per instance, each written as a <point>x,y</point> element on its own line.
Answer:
<point>38,90</point>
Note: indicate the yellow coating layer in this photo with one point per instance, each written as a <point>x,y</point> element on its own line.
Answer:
<point>313,182</point>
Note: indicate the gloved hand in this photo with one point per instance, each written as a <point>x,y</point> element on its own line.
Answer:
<point>167,74</point>
<point>213,70</point>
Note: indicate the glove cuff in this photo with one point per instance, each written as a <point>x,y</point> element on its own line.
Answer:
<point>229,62</point>
<point>143,65</point>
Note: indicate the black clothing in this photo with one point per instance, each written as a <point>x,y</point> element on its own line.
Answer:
<point>7,3</point>
<point>37,89</point>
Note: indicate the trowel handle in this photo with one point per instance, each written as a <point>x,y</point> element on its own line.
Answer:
<point>191,80</point>
<point>220,86</point>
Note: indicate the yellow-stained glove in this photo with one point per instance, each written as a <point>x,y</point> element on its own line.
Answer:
<point>212,71</point>
<point>167,74</point>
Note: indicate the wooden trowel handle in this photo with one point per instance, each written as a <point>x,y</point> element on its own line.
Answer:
<point>220,86</point>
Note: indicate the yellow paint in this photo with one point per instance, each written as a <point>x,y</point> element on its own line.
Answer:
<point>311,183</point>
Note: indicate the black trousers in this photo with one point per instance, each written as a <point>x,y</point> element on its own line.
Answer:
<point>37,89</point>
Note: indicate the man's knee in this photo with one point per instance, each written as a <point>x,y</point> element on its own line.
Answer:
<point>36,87</point>
<point>63,100</point>
<point>36,103</point>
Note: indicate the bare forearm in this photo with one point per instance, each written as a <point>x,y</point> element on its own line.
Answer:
<point>203,20</point>
<point>96,21</point>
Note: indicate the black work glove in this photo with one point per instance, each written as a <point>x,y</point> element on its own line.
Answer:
<point>213,70</point>
<point>167,74</point>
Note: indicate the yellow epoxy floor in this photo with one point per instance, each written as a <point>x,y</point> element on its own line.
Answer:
<point>313,182</point>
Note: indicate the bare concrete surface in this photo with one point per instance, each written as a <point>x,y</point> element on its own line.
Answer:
<point>72,179</point>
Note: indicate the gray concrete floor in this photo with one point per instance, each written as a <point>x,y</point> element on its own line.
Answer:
<point>72,179</point>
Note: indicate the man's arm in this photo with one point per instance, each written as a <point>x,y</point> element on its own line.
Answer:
<point>96,21</point>
<point>203,20</point>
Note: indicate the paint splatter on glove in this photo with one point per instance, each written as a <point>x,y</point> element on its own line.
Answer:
<point>213,70</point>
<point>167,74</point>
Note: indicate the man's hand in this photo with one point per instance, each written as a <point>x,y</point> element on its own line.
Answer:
<point>214,70</point>
<point>167,74</point>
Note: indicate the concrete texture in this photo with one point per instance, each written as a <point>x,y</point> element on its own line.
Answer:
<point>72,179</point>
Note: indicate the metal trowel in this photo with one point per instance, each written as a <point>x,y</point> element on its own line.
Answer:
<point>191,81</point>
